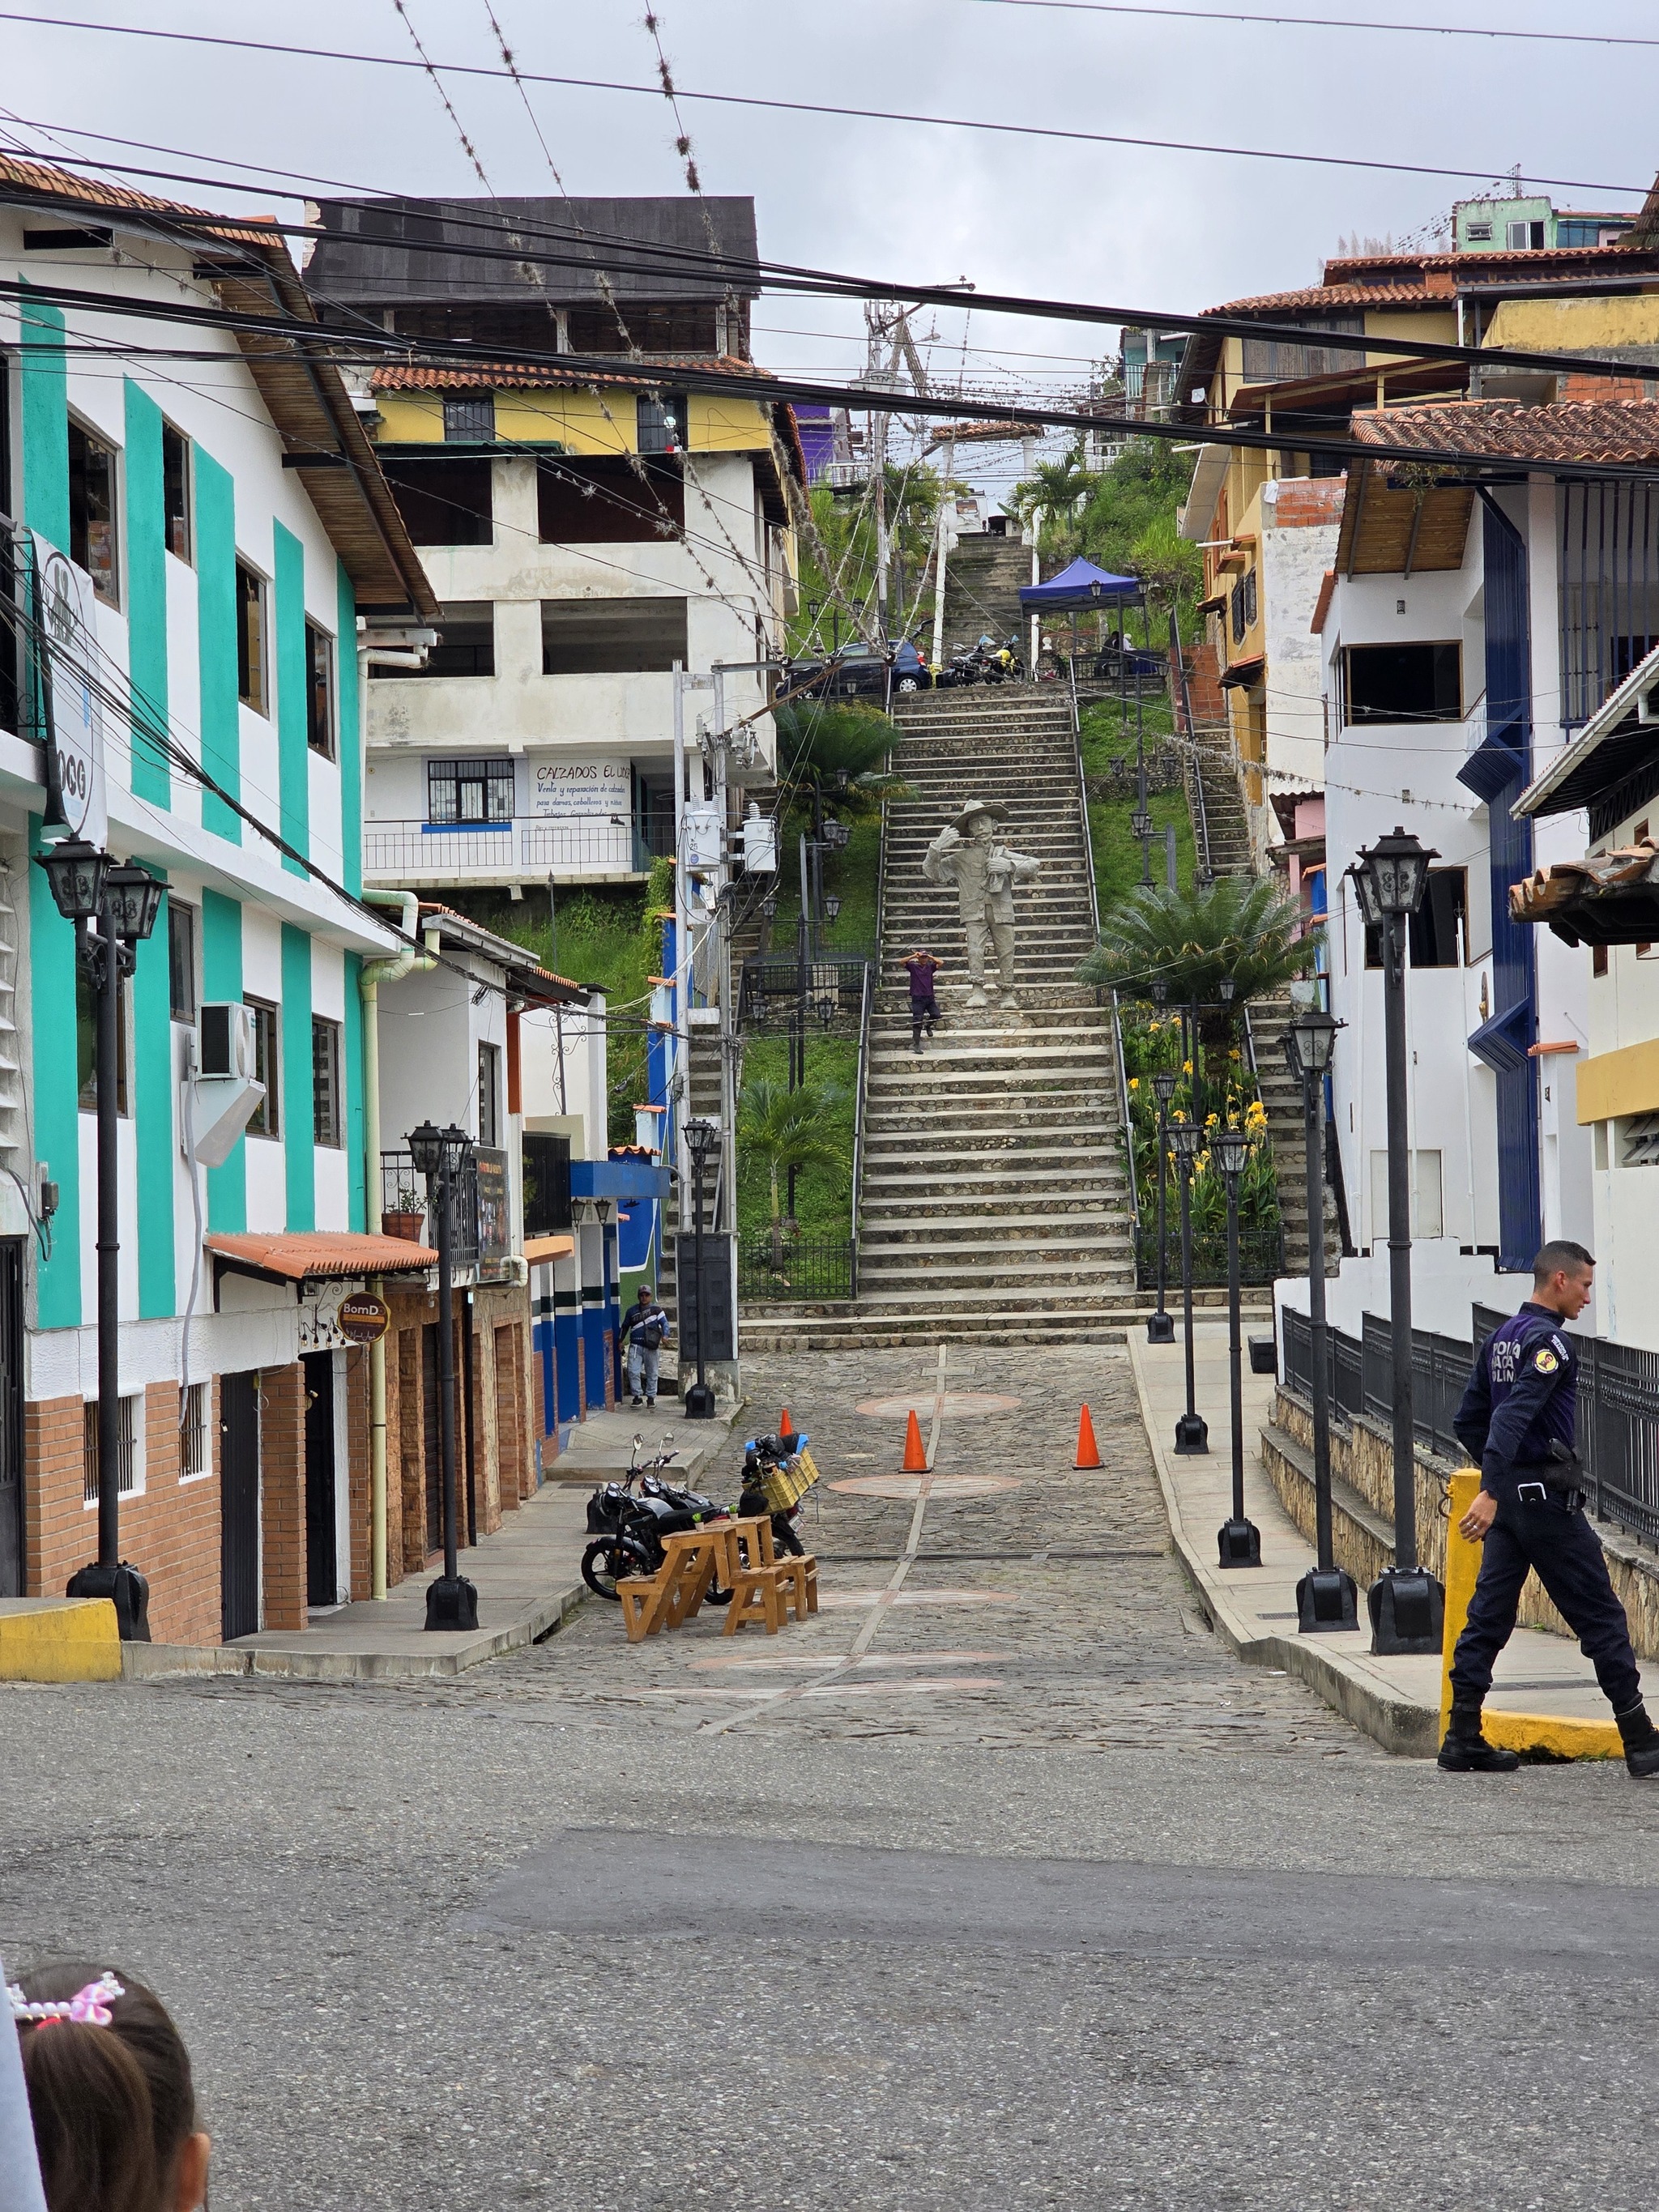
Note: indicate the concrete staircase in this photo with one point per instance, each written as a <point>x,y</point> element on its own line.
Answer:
<point>703,1071</point>
<point>995,1204</point>
<point>982,577</point>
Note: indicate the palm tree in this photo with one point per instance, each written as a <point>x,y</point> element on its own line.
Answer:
<point>1241,927</point>
<point>786,1129</point>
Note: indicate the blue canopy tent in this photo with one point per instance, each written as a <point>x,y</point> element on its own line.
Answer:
<point>1080,585</point>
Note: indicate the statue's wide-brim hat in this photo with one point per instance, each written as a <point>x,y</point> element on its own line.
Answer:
<point>994,808</point>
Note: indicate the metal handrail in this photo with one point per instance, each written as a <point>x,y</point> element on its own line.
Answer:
<point>1123,1108</point>
<point>1071,678</point>
<point>1250,1043</point>
<point>864,1012</point>
<point>1181,701</point>
<point>1083,809</point>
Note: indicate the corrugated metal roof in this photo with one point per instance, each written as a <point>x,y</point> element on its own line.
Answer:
<point>396,250</point>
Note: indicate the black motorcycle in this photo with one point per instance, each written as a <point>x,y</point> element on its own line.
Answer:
<point>772,1487</point>
<point>627,1530</point>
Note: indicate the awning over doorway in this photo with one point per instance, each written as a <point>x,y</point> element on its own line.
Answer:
<point>314,1255</point>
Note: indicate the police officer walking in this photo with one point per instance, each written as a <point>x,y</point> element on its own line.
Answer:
<point>1518,1419</point>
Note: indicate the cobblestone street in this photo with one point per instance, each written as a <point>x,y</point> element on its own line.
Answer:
<point>1013,1887</point>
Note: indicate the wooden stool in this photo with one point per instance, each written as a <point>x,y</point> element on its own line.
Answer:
<point>756,1594</point>
<point>800,1578</point>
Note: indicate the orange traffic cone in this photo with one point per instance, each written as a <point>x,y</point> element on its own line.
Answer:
<point>916,1459</point>
<point>786,1426</point>
<point>1088,1451</point>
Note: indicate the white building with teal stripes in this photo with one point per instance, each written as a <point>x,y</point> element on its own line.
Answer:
<point>216,492</point>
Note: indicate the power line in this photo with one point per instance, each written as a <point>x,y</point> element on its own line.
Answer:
<point>785,277</point>
<point>1330,24</point>
<point>835,110</point>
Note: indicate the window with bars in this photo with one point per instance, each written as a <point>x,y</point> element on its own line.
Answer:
<point>468,791</point>
<point>195,1442</point>
<point>326,1081</point>
<point>127,1455</point>
<point>469,419</point>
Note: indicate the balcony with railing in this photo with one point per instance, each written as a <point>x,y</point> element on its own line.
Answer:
<point>614,848</point>
<point>481,1224</point>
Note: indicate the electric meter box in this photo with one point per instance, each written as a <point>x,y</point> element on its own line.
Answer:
<point>760,842</point>
<point>702,836</point>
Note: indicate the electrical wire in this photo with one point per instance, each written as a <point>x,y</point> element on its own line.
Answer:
<point>1330,22</point>
<point>670,261</point>
<point>835,111</point>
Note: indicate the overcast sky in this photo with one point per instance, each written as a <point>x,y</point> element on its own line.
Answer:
<point>902,200</point>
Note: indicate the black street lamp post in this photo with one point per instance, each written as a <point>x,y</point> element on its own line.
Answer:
<point>125,901</point>
<point>1160,1326</point>
<point>703,1142</point>
<point>1192,1430</point>
<point>1326,1597</point>
<point>440,1155</point>
<point>1407,1604</point>
<point>1240,1540</point>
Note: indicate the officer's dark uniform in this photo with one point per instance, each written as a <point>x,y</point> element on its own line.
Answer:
<point>1519,1419</point>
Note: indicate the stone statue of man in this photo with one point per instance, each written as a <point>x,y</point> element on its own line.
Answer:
<point>984,870</point>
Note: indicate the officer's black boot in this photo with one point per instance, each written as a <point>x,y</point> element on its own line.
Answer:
<point>1466,1750</point>
<point>1640,1738</point>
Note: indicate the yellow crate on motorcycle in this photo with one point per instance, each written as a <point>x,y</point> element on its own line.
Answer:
<point>787,1486</point>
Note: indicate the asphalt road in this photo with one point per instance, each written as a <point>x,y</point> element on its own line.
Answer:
<point>1102,1919</point>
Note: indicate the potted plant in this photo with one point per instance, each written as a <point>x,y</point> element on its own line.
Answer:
<point>405,1216</point>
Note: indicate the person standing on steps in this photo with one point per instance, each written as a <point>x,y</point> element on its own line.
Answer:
<point>1519,1419</point>
<point>984,870</point>
<point>646,1329</point>
<point>921,967</point>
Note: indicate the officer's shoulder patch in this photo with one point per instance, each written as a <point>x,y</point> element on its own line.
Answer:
<point>1544,1360</point>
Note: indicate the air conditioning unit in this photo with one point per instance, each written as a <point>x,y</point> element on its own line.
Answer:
<point>226,1039</point>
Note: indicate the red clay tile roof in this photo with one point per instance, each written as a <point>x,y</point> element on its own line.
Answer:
<point>313,1255</point>
<point>1624,430</point>
<point>1401,294</point>
<point>37,177</point>
<point>519,376</point>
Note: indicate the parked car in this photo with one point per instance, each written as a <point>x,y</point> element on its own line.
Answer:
<point>854,670</point>
<point>910,671</point>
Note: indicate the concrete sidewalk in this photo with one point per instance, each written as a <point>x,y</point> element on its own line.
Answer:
<point>1397,1701</point>
<point>528,1576</point>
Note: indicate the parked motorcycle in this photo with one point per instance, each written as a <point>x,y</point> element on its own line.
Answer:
<point>776,1476</point>
<point>627,1530</point>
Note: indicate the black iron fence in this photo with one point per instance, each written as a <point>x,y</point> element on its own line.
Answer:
<point>772,1276</point>
<point>1618,1401</point>
<point>403,1197</point>
<point>773,985</point>
<point>1260,1257</point>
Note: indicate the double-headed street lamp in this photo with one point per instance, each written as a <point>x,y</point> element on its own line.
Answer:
<point>703,1142</point>
<point>1406,1603</point>
<point>1192,1434</point>
<point>1326,1597</point>
<point>1240,1540</point>
<point>87,886</point>
<point>442,1156</point>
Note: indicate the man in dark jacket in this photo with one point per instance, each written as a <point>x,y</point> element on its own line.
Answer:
<point>921,967</point>
<point>1518,1419</point>
<point>645,1331</point>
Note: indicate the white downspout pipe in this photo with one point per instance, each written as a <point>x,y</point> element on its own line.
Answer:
<point>372,974</point>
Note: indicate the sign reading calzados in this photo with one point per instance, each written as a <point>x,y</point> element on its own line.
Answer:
<point>65,609</point>
<point>363,1319</point>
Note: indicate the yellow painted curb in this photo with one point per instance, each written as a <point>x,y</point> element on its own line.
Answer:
<point>1561,1738</point>
<point>66,1640</point>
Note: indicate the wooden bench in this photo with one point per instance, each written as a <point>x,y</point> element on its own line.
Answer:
<point>674,1595</point>
<point>800,1578</point>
